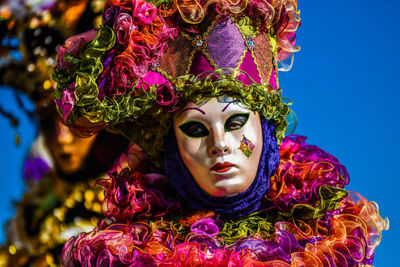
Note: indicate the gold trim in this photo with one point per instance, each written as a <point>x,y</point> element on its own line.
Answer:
<point>234,20</point>
<point>257,33</point>
<point>210,60</point>
<point>275,60</point>
<point>187,36</point>
<point>165,74</point>
<point>242,58</point>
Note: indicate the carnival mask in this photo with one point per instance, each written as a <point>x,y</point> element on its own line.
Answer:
<point>69,151</point>
<point>220,143</point>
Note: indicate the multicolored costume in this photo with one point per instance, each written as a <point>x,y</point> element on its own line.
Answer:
<point>307,219</point>
<point>136,73</point>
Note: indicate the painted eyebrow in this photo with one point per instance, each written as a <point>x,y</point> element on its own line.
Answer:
<point>186,109</point>
<point>229,104</point>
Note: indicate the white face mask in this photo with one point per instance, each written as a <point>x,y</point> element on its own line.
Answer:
<point>220,143</point>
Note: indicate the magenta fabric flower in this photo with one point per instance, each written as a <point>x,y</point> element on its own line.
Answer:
<point>205,227</point>
<point>123,26</point>
<point>123,76</point>
<point>143,12</point>
<point>127,195</point>
<point>67,102</point>
<point>142,52</point>
<point>167,34</point>
<point>165,95</point>
<point>159,50</point>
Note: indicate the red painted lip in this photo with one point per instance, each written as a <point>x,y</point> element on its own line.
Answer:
<point>222,167</point>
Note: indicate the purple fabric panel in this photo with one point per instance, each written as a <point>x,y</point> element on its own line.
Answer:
<point>250,68</point>
<point>200,64</point>
<point>228,207</point>
<point>225,44</point>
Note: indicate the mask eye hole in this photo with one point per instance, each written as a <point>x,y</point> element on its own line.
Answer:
<point>236,122</point>
<point>194,129</point>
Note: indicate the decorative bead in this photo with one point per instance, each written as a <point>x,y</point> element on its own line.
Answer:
<point>199,42</point>
<point>250,42</point>
<point>155,65</point>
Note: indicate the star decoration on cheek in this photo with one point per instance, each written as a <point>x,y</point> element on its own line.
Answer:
<point>246,146</point>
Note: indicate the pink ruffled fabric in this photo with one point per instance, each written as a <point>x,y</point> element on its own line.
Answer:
<point>131,196</point>
<point>303,170</point>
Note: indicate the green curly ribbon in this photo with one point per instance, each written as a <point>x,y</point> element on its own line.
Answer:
<point>329,198</point>
<point>250,225</point>
<point>64,78</point>
<point>262,223</point>
<point>87,67</point>
<point>90,67</point>
<point>167,3</point>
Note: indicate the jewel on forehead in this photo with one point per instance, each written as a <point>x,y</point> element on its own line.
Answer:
<point>246,146</point>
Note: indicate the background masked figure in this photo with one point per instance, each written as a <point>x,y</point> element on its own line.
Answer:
<point>61,198</point>
<point>196,86</point>
<point>61,169</point>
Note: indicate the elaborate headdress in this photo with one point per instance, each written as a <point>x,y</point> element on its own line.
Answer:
<point>149,58</point>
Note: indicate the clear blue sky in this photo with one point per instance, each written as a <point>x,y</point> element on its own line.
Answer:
<point>345,89</point>
<point>344,85</point>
